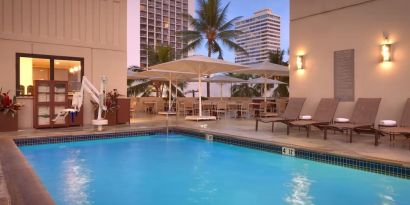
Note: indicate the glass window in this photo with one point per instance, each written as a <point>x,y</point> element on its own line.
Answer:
<point>68,70</point>
<point>31,67</point>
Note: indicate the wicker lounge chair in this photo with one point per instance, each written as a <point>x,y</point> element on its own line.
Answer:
<point>292,112</point>
<point>324,114</point>
<point>403,127</point>
<point>363,117</point>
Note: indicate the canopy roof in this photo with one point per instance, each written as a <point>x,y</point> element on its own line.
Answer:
<point>200,65</point>
<point>163,75</point>
<point>266,69</point>
<point>264,81</point>
<point>220,79</point>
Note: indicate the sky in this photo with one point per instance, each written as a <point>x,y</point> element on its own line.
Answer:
<point>245,8</point>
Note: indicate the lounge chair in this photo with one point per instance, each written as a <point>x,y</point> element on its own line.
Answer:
<point>292,112</point>
<point>402,128</point>
<point>324,114</point>
<point>363,117</point>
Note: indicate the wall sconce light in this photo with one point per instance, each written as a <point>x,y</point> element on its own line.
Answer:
<point>300,62</point>
<point>386,50</point>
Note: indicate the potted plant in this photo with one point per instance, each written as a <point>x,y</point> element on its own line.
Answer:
<point>8,112</point>
<point>111,102</point>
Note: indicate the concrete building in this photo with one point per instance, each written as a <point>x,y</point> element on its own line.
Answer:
<point>330,36</point>
<point>261,34</point>
<point>159,22</point>
<point>57,39</point>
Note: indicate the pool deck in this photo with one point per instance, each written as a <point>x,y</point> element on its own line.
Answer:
<point>14,166</point>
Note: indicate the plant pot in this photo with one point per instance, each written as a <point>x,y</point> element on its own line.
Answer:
<point>8,123</point>
<point>111,116</point>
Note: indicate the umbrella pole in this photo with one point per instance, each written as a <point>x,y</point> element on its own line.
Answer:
<point>221,91</point>
<point>265,91</point>
<point>170,93</point>
<point>200,93</point>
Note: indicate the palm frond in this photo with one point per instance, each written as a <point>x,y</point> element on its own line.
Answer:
<point>222,15</point>
<point>192,45</point>
<point>229,34</point>
<point>218,49</point>
<point>188,35</point>
<point>233,45</point>
<point>230,24</point>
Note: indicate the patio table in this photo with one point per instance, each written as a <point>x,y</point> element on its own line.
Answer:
<point>235,107</point>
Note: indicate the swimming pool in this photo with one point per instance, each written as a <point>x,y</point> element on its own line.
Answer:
<point>179,169</point>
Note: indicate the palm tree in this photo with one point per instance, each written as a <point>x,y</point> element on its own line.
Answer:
<point>212,27</point>
<point>277,57</point>
<point>157,55</point>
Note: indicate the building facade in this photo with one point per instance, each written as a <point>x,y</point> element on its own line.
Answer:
<point>160,22</point>
<point>261,34</point>
<point>329,36</point>
<point>61,40</point>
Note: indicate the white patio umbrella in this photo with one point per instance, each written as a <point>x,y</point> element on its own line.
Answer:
<point>163,75</point>
<point>221,79</point>
<point>266,69</point>
<point>264,81</point>
<point>200,65</point>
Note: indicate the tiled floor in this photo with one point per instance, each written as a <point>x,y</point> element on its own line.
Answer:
<point>362,146</point>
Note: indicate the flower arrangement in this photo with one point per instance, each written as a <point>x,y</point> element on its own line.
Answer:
<point>8,105</point>
<point>111,101</point>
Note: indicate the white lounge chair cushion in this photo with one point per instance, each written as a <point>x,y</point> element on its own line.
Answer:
<point>341,119</point>
<point>305,117</point>
<point>388,122</point>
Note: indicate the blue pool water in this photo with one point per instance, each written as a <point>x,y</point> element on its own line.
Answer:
<point>183,170</point>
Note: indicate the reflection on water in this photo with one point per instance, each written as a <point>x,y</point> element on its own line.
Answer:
<point>387,197</point>
<point>76,179</point>
<point>300,186</point>
<point>204,188</point>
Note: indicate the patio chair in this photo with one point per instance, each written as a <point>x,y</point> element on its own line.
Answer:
<point>324,114</point>
<point>244,109</point>
<point>265,112</point>
<point>363,117</point>
<point>188,107</point>
<point>207,107</point>
<point>221,108</point>
<point>133,109</point>
<point>291,113</point>
<point>402,128</point>
<point>233,109</point>
<point>280,105</point>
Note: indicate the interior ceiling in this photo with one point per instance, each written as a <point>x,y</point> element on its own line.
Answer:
<point>59,64</point>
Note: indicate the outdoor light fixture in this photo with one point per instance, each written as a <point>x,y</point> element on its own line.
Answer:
<point>300,62</point>
<point>386,50</point>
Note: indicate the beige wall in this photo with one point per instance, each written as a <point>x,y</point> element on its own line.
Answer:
<point>320,27</point>
<point>92,29</point>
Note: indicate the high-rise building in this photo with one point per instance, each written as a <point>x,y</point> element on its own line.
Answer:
<point>261,34</point>
<point>159,23</point>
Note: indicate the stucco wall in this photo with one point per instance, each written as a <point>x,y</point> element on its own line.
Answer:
<point>93,29</point>
<point>320,27</point>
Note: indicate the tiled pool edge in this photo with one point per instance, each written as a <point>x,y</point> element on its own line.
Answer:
<point>23,184</point>
<point>4,192</point>
<point>385,168</point>
<point>85,137</point>
<point>374,166</point>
